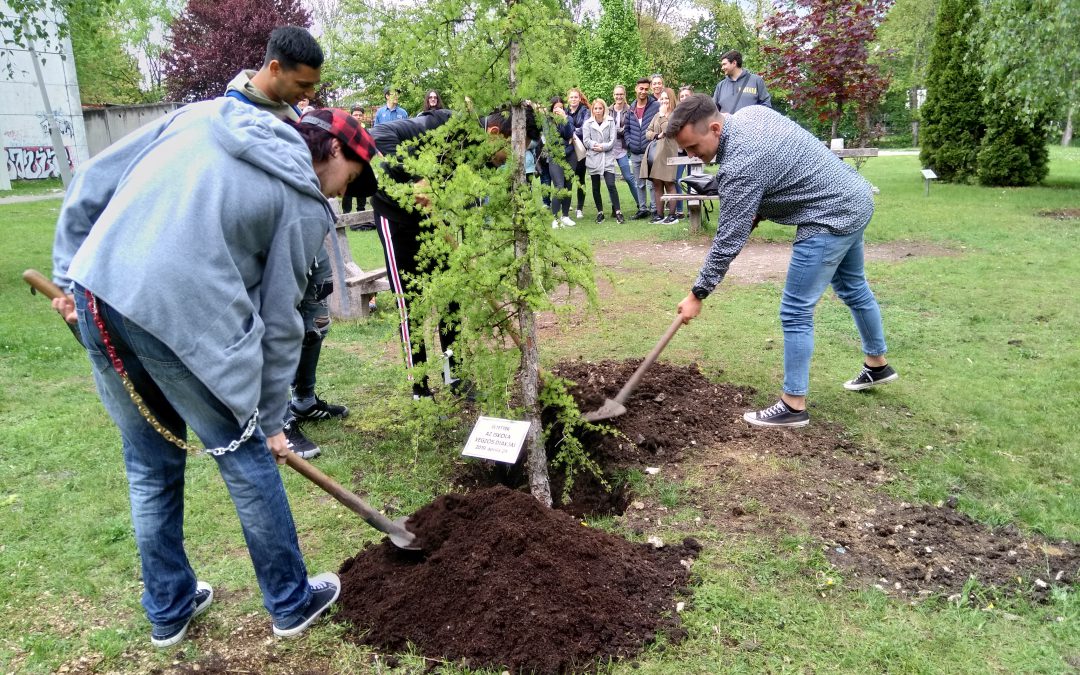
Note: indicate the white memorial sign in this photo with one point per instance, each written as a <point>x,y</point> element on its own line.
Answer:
<point>496,439</point>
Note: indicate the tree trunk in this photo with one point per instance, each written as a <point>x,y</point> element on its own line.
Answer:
<point>836,119</point>
<point>1066,136</point>
<point>529,374</point>
<point>913,105</point>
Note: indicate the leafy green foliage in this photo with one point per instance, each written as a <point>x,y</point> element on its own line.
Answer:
<point>456,47</point>
<point>468,245</point>
<point>609,52</point>
<point>571,455</point>
<point>107,72</point>
<point>708,39</point>
<point>1014,148</point>
<point>952,116</point>
<point>1032,46</point>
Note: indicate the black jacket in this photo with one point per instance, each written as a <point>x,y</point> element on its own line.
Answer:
<point>388,136</point>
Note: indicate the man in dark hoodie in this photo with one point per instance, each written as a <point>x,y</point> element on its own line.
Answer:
<point>290,72</point>
<point>400,226</point>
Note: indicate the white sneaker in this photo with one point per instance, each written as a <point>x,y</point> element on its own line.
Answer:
<point>555,224</point>
<point>565,220</point>
<point>579,214</point>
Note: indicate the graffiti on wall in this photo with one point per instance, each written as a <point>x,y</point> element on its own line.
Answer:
<point>63,124</point>
<point>31,162</point>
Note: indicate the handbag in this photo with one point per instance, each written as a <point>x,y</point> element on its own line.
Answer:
<point>579,148</point>
<point>700,184</point>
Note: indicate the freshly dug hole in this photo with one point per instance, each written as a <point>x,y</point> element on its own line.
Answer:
<point>504,582</point>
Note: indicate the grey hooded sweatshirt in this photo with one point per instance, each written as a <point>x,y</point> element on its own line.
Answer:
<point>201,228</point>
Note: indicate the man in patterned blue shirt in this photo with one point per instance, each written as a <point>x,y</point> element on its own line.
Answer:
<point>771,168</point>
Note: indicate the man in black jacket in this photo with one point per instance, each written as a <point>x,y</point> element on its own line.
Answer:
<point>399,227</point>
<point>642,111</point>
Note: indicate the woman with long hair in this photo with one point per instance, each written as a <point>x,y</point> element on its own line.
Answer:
<point>655,168</point>
<point>599,137</point>
<point>562,126</point>
<point>577,110</point>
<point>432,101</point>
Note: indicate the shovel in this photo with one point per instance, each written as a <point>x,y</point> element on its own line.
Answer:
<point>613,407</point>
<point>395,529</point>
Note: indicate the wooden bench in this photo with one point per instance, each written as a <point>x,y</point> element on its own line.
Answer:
<point>360,286</point>
<point>693,202</point>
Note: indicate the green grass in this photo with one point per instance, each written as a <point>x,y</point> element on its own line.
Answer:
<point>45,186</point>
<point>983,333</point>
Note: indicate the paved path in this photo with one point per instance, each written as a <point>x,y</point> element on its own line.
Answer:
<point>19,199</point>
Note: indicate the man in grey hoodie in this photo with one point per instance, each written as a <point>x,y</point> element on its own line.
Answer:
<point>739,88</point>
<point>185,296</point>
<point>290,72</point>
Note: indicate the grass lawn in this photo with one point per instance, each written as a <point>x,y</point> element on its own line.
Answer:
<point>45,186</point>
<point>983,332</point>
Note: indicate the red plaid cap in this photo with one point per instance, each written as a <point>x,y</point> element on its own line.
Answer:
<point>346,129</point>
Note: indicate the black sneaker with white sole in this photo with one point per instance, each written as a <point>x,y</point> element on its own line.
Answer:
<point>319,410</point>
<point>779,415</point>
<point>204,595</point>
<point>871,377</point>
<point>325,589</point>
<point>298,442</point>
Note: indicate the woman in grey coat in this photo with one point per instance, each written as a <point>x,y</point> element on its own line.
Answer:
<point>598,135</point>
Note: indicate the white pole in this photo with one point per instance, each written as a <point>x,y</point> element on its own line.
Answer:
<point>54,130</point>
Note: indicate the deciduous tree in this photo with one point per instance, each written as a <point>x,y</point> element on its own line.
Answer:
<point>708,39</point>
<point>1033,49</point>
<point>905,38</point>
<point>820,55</point>
<point>213,39</point>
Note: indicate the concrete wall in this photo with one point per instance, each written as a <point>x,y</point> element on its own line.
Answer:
<point>24,131</point>
<point>105,126</point>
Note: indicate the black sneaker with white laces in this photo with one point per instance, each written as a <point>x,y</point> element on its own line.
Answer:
<point>871,377</point>
<point>619,217</point>
<point>325,589</point>
<point>204,595</point>
<point>319,410</point>
<point>779,415</point>
<point>298,442</point>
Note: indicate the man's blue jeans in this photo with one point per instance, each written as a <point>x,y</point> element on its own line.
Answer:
<point>646,198</point>
<point>155,471</point>
<point>624,167</point>
<point>816,263</point>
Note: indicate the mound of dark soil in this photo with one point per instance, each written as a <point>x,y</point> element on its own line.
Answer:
<point>504,582</point>
<point>672,409</point>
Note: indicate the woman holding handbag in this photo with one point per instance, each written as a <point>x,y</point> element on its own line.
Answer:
<point>577,111</point>
<point>598,135</point>
<point>655,168</point>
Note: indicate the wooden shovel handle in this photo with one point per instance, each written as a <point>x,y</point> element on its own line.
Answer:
<point>632,383</point>
<point>42,284</point>
<point>335,490</point>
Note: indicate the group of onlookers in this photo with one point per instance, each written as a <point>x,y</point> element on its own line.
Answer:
<point>630,138</point>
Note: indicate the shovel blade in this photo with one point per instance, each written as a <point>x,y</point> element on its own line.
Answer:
<point>401,537</point>
<point>611,408</point>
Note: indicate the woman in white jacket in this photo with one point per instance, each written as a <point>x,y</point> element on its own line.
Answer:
<point>598,135</point>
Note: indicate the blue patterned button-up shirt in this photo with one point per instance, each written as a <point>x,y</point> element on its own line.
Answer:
<point>771,166</point>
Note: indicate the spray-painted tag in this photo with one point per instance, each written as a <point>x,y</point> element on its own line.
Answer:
<point>496,439</point>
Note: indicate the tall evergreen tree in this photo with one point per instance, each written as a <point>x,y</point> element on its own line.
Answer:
<point>1014,148</point>
<point>953,113</point>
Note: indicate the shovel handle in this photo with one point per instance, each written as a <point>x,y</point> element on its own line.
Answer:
<point>632,383</point>
<point>335,490</point>
<point>42,284</point>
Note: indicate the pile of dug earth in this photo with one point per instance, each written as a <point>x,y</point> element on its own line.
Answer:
<point>503,582</point>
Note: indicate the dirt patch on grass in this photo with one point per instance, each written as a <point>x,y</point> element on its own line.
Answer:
<point>503,582</point>
<point>756,263</point>
<point>1060,214</point>
<point>812,482</point>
